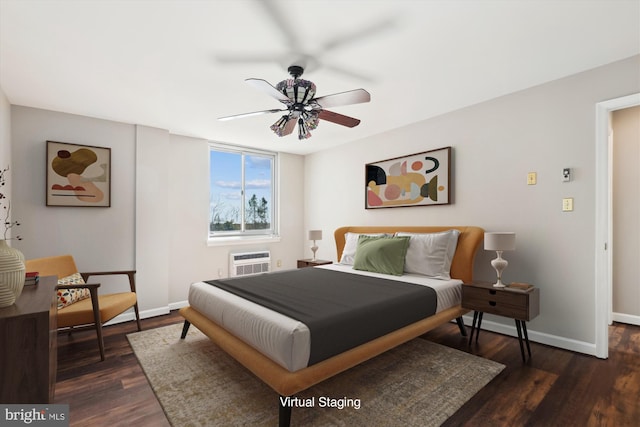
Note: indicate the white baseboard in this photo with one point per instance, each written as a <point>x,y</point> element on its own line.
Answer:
<point>626,318</point>
<point>178,305</point>
<point>130,315</point>
<point>539,337</point>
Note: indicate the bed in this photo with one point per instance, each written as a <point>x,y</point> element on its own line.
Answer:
<point>288,377</point>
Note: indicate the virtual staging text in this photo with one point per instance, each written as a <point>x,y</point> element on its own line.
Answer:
<point>320,402</point>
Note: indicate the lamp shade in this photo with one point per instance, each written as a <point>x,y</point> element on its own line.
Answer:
<point>315,234</point>
<point>500,241</point>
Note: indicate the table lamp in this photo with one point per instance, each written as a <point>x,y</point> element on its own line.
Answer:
<point>499,242</point>
<point>315,235</point>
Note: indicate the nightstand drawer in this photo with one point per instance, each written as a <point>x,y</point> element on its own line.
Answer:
<point>521,306</point>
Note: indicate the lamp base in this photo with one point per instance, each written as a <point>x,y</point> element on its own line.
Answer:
<point>499,264</point>
<point>499,284</point>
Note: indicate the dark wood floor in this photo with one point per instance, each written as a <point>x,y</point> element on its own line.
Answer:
<point>555,388</point>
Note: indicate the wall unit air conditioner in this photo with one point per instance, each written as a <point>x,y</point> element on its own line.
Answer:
<point>249,263</point>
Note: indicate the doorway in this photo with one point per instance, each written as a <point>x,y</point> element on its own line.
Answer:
<point>604,218</point>
<point>625,221</point>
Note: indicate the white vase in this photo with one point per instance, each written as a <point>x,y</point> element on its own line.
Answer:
<point>12,274</point>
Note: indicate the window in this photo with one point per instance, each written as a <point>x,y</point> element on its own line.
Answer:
<point>242,193</point>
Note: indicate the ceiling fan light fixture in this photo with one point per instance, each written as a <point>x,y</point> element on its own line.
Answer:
<point>299,91</point>
<point>306,123</point>
<point>303,132</point>
<point>279,127</point>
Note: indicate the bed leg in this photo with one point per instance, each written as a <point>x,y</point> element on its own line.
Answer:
<point>460,322</point>
<point>185,329</point>
<point>284,413</point>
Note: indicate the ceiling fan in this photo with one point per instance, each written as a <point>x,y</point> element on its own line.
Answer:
<point>293,49</point>
<point>302,107</point>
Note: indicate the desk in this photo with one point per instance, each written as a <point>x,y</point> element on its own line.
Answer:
<point>28,350</point>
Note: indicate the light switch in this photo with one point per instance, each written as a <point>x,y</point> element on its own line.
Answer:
<point>567,204</point>
<point>532,178</point>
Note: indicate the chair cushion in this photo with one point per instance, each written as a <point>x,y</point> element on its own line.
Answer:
<point>81,313</point>
<point>70,296</point>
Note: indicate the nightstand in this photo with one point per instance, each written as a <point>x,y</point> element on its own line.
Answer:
<point>303,263</point>
<point>484,298</point>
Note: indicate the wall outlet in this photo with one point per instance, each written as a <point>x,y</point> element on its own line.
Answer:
<point>279,263</point>
<point>566,174</point>
<point>567,204</point>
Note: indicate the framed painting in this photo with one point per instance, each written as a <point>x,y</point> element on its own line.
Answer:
<point>421,179</point>
<point>78,175</point>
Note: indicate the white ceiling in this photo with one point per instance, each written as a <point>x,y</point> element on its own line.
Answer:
<point>179,65</point>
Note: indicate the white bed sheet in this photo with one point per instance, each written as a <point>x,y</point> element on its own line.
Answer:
<point>284,340</point>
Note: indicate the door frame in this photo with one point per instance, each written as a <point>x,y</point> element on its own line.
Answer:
<point>604,218</point>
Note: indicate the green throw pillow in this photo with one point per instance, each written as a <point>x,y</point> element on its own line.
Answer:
<point>381,254</point>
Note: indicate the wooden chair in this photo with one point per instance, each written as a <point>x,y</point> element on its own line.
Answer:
<point>91,312</point>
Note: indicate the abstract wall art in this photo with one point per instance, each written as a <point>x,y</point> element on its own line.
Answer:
<point>78,175</point>
<point>421,179</point>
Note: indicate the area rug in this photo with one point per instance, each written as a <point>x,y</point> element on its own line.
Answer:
<point>419,383</point>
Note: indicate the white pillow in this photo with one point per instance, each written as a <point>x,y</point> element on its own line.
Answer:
<point>431,254</point>
<point>350,245</point>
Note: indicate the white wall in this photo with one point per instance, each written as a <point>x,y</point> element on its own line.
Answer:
<point>158,219</point>
<point>495,144</point>
<point>100,239</point>
<point>152,228</point>
<point>5,146</point>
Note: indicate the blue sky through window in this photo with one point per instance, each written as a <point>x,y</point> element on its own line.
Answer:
<point>226,183</point>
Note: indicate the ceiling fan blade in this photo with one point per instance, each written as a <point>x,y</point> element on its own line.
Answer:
<point>281,21</point>
<point>267,88</point>
<point>356,96</point>
<point>360,34</point>
<point>255,113</point>
<point>340,119</point>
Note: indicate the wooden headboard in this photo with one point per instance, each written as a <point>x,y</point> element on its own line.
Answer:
<point>468,243</point>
